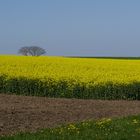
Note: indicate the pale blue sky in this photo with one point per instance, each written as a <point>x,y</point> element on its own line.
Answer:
<point>71,27</point>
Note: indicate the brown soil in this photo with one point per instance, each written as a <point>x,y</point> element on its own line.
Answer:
<point>19,113</point>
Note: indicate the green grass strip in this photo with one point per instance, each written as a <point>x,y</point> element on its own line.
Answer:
<point>104,129</point>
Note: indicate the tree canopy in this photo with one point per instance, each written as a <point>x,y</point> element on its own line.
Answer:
<point>32,51</point>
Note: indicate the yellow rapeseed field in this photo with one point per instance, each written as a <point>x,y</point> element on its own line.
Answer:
<point>70,77</point>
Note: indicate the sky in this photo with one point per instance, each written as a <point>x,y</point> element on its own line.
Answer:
<point>71,27</point>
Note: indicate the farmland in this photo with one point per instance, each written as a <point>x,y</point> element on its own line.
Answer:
<point>110,87</point>
<point>70,77</point>
<point>37,117</point>
<point>104,129</point>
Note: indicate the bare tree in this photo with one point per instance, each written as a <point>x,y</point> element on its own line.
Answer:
<point>32,51</point>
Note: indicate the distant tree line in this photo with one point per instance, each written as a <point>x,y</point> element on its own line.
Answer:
<point>31,51</point>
